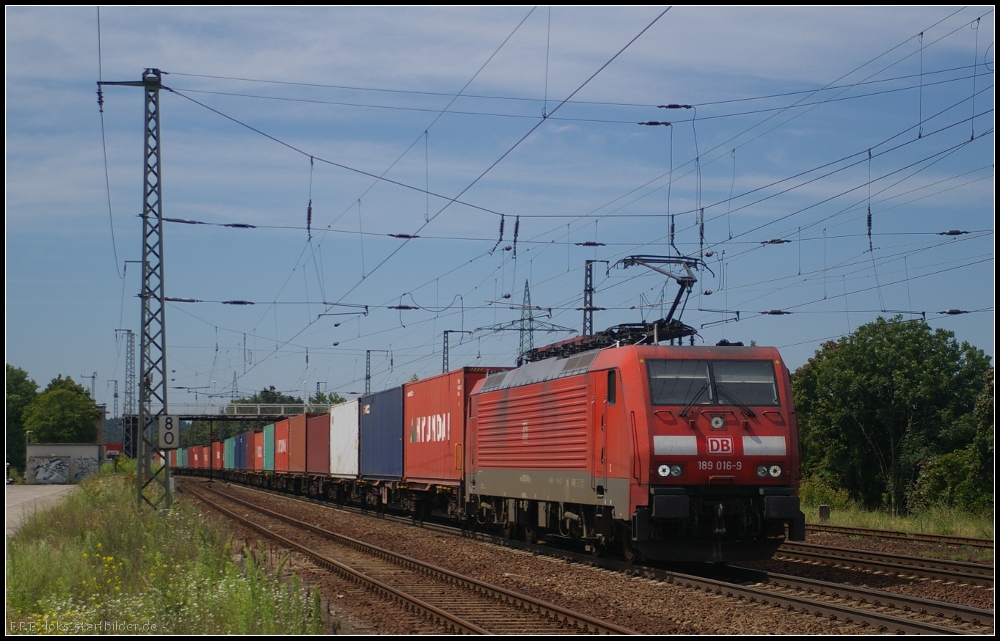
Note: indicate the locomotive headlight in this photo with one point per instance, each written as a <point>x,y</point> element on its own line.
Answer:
<point>775,471</point>
<point>664,470</point>
<point>670,470</point>
<point>761,471</point>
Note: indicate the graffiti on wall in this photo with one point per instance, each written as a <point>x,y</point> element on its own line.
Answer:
<point>55,470</point>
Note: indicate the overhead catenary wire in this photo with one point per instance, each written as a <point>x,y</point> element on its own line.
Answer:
<point>523,241</point>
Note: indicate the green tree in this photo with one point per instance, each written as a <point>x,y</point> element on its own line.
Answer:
<point>21,390</point>
<point>271,396</point>
<point>326,398</point>
<point>63,413</point>
<point>877,404</point>
<point>963,478</point>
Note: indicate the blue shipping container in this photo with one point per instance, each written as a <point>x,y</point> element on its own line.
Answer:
<point>240,462</point>
<point>382,435</point>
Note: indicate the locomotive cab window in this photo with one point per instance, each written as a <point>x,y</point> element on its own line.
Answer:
<point>749,382</point>
<point>689,382</point>
<point>679,382</point>
<point>612,388</point>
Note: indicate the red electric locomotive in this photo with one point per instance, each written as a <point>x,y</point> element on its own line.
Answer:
<point>673,453</point>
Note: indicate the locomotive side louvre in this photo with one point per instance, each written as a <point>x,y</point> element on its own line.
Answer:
<point>536,442</point>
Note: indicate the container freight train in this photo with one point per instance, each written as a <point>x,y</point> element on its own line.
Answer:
<point>664,452</point>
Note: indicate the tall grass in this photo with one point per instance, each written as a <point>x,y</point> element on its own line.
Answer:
<point>942,520</point>
<point>94,563</point>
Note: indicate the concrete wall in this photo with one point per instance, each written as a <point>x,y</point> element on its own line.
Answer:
<point>60,463</point>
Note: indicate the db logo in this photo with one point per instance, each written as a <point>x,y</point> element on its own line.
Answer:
<point>720,445</point>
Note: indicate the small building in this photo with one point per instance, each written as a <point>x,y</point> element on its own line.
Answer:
<point>61,463</point>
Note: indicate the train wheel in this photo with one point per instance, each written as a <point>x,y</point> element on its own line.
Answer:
<point>598,549</point>
<point>531,534</point>
<point>510,531</point>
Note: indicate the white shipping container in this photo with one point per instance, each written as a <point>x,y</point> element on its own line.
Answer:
<point>344,433</point>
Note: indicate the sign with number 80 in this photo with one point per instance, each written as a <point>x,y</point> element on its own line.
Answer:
<point>169,432</point>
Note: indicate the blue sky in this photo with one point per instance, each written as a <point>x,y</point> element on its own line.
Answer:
<point>441,122</point>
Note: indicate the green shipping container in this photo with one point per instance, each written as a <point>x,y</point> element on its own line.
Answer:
<point>269,448</point>
<point>230,453</point>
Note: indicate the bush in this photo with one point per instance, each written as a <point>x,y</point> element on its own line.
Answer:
<point>815,491</point>
<point>951,480</point>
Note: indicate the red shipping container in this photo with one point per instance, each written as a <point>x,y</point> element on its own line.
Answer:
<point>173,458</point>
<point>297,443</point>
<point>249,450</point>
<point>218,455</point>
<point>318,437</point>
<point>206,456</point>
<point>195,454</point>
<point>434,426</point>
<point>258,450</point>
<point>281,445</point>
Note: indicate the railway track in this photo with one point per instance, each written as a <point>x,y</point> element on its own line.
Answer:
<point>905,536</point>
<point>897,564</point>
<point>450,602</point>
<point>967,618</point>
<point>874,610</point>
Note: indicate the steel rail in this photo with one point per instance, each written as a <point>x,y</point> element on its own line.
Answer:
<point>957,571</point>
<point>544,610</point>
<point>909,536</point>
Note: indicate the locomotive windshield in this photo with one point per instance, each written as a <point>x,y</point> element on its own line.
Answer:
<point>690,382</point>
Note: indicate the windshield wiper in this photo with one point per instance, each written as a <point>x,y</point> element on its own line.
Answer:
<point>734,400</point>
<point>693,400</point>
